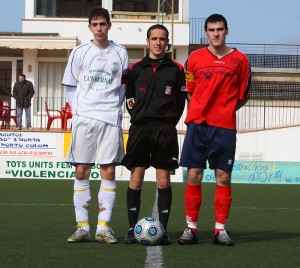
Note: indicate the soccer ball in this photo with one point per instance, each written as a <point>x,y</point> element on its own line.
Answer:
<point>148,231</point>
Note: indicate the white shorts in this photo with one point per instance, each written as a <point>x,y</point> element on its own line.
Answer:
<point>92,137</point>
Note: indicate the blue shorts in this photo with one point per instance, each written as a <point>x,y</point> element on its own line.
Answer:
<point>204,143</point>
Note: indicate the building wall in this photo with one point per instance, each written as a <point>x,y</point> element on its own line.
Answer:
<point>280,144</point>
<point>125,33</point>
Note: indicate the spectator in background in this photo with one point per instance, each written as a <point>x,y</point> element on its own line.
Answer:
<point>23,92</point>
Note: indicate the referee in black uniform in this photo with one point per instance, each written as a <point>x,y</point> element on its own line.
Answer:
<point>155,99</point>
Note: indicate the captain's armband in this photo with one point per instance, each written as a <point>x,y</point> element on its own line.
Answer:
<point>189,77</point>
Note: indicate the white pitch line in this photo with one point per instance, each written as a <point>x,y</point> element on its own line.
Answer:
<point>257,208</point>
<point>22,204</point>
<point>251,208</point>
<point>154,258</point>
<point>29,204</point>
<point>155,206</point>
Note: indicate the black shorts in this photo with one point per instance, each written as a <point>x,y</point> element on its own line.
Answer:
<point>152,145</point>
<point>203,142</point>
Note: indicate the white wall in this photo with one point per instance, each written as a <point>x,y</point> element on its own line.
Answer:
<point>270,145</point>
<point>185,5</point>
<point>29,58</point>
<point>129,33</point>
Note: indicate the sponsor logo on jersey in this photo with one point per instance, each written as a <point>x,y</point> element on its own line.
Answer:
<point>219,62</point>
<point>236,61</point>
<point>101,59</point>
<point>115,68</point>
<point>97,79</point>
<point>227,74</point>
<point>208,75</point>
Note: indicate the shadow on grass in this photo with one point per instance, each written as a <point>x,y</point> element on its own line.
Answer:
<point>241,237</point>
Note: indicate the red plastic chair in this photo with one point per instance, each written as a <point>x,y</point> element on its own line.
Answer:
<point>8,116</point>
<point>53,115</point>
<point>5,115</point>
<point>68,114</point>
<point>14,117</point>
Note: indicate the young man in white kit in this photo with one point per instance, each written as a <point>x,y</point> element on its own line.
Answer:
<point>93,87</point>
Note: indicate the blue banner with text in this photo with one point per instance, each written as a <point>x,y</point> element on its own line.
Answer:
<point>258,172</point>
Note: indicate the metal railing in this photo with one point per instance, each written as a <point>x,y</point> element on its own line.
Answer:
<point>255,115</point>
<point>262,114</point>
<point>266,114</point>
<point>197,33</point>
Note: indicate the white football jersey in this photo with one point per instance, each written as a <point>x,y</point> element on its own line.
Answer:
<point>97,76</point>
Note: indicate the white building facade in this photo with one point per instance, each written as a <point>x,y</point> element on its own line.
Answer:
<point>52,28</point>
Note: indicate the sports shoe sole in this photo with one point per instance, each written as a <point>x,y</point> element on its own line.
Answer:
<point>103,239</point>
<point>79,240</point>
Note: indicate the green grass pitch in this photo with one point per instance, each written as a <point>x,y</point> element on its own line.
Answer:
<point>37,216</point>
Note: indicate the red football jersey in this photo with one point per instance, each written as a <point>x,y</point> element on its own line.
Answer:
<point>216,84</point>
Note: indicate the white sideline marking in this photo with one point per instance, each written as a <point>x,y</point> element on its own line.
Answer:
<point>154,257</point>
<point>22,204</point>
<point>155,206</point>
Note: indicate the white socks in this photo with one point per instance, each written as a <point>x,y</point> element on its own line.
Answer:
<point>81,198</point>
<point>106,200</point>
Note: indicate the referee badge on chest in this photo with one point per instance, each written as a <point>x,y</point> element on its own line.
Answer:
<point>130,103</point>
<point>168,90</point>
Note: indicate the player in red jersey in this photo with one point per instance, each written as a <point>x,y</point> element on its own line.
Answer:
<point>218,83</point>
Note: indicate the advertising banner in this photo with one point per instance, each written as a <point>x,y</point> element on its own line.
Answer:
<point>259,172</point>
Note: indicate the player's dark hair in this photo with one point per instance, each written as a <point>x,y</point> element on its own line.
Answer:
<point>215,18</point>
<point>23,75</point>
<point>99,12</point>
<point>157,26</point>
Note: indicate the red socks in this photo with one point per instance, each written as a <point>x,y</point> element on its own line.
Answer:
<point>192,199</point>
<point>222,206</point>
